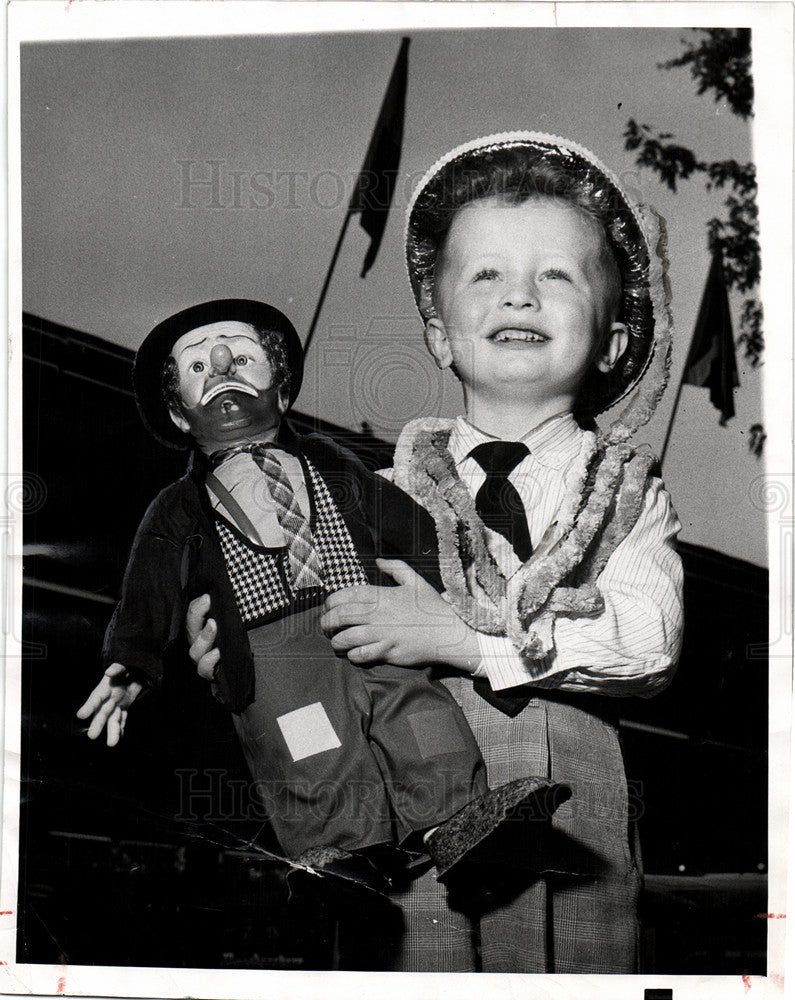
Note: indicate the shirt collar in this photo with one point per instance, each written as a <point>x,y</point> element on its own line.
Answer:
<point>553,443</point>
<point>286,440</point>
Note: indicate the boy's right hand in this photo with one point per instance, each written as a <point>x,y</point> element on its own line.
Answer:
<point>202,632</point>
<point>108,704</point>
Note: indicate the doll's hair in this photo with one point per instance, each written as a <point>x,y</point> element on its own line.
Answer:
<point>272,343</point>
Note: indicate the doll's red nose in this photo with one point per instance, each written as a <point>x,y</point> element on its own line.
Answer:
<point>221,359</point>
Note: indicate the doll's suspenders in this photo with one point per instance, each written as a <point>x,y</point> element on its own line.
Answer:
<point>241,518</point>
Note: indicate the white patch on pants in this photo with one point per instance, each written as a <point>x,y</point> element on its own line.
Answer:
<point>308,731</point>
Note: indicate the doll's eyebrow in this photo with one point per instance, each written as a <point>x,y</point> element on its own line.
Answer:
<point>222,336</point>
<point>189,347</point>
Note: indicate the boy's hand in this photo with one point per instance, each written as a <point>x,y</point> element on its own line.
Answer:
<point>408,625</point>
<point>201,636</point>
<point>108,704</point>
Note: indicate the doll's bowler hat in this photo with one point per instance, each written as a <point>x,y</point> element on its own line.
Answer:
<point>156,349</point>
<point>635,234</point>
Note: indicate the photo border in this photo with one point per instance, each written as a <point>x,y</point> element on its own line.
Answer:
<point>772,136</point>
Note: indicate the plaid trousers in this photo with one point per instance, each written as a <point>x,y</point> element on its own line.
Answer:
<point>574,910</point>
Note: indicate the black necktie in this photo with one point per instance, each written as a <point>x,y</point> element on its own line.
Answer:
<point>497,500</point>
<point>502,510</point>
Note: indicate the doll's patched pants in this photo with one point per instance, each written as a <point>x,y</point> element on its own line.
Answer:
<point>350,756</point>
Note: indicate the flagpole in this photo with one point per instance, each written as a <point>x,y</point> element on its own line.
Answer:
<point>389,122</point>
<point>327,282</point>
<point>674,409</point>
<point>707,346</point>
<point>390,119</point>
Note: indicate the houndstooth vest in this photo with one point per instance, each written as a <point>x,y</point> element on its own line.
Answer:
<point>258,577</point>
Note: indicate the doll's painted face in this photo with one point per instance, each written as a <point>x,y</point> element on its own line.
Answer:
<point>226,387</point>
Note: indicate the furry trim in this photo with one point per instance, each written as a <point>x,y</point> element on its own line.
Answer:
<point>603,502</point>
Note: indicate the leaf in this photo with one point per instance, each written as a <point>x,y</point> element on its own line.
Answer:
<point>756,440</point>
<point>720,62</point>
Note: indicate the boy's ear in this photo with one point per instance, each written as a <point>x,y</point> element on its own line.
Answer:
<point>282,401</point>
<point>437,343</point>
<point>613,347</point>
<point>178,418</point>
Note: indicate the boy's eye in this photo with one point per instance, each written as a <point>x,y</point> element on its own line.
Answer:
<point>241,360</point>
<point>198,367</point>
<point>556,273</point>
<point>486,274</point>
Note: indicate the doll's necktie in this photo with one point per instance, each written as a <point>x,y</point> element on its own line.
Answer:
<point>305,565</point>
<point>498,501</point>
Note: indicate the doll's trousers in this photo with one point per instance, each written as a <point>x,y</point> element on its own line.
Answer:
<point>350,756</point>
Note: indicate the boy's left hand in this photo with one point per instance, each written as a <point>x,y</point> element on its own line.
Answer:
<point>408,625</point>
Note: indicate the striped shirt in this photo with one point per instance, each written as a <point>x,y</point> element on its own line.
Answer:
<point>631,648</point>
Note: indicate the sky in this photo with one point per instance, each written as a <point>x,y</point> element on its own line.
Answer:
<point>118,230</point>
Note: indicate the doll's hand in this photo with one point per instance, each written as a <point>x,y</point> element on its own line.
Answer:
<point>108,703</point>
<point>202,632</point>
<point>408,625</point>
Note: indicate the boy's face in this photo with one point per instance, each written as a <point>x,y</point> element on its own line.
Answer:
<point>226,387</point>
<point>525,302</point>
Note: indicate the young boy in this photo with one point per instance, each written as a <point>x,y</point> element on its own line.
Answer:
<point>542,288</point>
<point>346,761</point>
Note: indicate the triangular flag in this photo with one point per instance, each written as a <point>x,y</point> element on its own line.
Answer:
<point>375,186</point>
<point>711,362</point>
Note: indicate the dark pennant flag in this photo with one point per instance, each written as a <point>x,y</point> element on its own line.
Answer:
<point>711,362</point>
<point>375,186</point>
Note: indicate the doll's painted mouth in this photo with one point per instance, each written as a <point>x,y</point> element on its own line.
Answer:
<point>222,387</point>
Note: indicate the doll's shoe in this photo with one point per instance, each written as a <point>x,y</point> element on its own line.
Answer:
<point>468,836</point>
<point>347,871</point>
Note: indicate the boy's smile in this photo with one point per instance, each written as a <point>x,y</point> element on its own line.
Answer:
<point>525,301</point>
<point>225,386</point>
